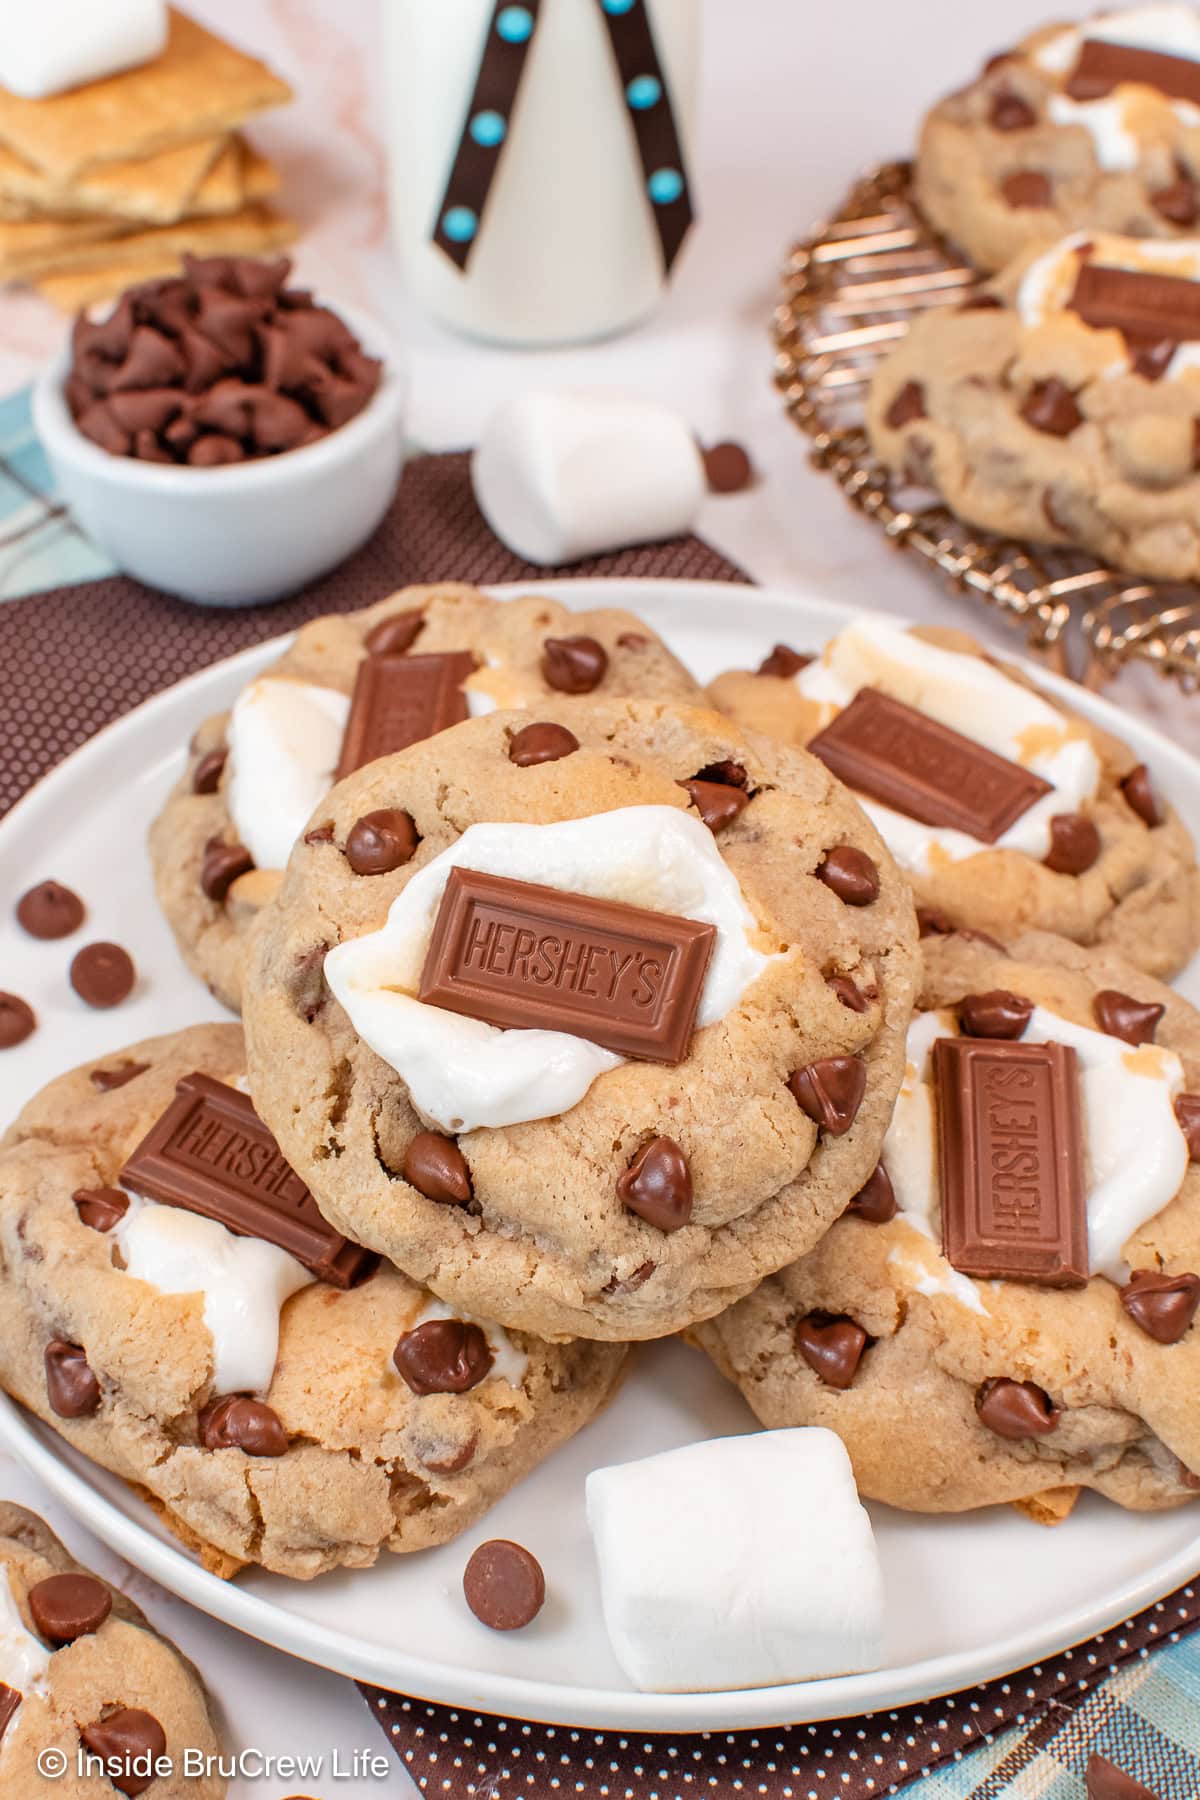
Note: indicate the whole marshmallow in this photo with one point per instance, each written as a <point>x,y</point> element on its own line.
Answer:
<point>285,738</point>
<point>60,44</point>
<point>560,475</point>
<point>736,1563</point>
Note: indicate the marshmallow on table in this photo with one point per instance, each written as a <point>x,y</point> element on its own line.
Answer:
<point>566,474</point>
<point>736,1563</point>
<point>58,44</point>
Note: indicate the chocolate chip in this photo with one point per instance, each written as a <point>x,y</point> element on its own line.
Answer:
<point>633,640</point>
<point>875,1201</point>
<point>381,841</point>
<point>100,1208</point>
<point>17,1021</point>
<point>50,910</point>
<point>541,743</point>
<point>98,424</point>
<point>221,866</point>
<point>1010,113</point>
<point>1050,407</point>
<point>933,923</point>
<point>103,975</point>
<point>437,1168</point>
<point>727,468</point>
<point>573,665</point>
<point>214,450</point>
<point>236,1422</point>
<point>849,992</point>
<point>393,636</point>
<point>443,1356</point>
<point>504,1585</point>
<point>1120,1015</point>
<point>1104,1781</point>
<point>1187,1111</point>
<point>320,834</point>
<point>109,1079</point>
<point>71,1385</point>
<point>784,662</point>
<point>1016,1409</point>
<point>831,1091</point>
<point>152,361</point>
<point>851,874</point>
<point>1177,202</point>
<point>831,1346</point>
<point>909,404</point>
<point>129,1739</point>
<point>443,1458</point>
<point>1052,516</point>
<point>10,1701</point>
<point>725,774</point>
<point>997,1014</point>
<point>632,1282</point>
<point>206,777</point>
<point>717,803</point>
<point>1074,844</point>
<point>982,301</point>
<point>1138,790</point>
<point>1027,187</point>
<point>657,1185</point>
<point>1151,361</point>
<point>1162,1305</point>
<point>66,1607</point>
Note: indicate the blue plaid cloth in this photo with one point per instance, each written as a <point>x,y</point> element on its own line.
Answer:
<point>40,547</point>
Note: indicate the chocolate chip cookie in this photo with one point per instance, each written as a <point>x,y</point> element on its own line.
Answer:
<point>1006,1311</point>
<point>84,1673</point>
<point>352,686</point>
<point>1005,810</point>
<point>178,1310</point>
<point>1092,126</point>
<point>587,1016</point>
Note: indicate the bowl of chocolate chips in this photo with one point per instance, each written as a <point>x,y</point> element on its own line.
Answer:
<point>222,434</point>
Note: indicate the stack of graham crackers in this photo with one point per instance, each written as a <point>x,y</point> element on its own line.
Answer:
<point>110,183</point>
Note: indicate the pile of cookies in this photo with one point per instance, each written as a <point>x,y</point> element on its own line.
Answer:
<point>1061,403</point>
<point>111,182</point>
<point>819,1017</point>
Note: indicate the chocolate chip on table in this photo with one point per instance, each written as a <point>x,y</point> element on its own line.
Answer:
<point>1139,793</point>
<point>1009,112</point>
<point>206,776</point>
<point>17,1021</point>
<point>109,1079</point>
<point>573,665</point>
<point>504,1585</point>
<point>66,1607</point>
<point>831,1091</point>
<point>236,1422</point>
<point>727,468</point>
<point>1027,187</point>
<point>851,874</point>
<point>717,803</point>
<point>657,1185</point>
<point>392,637</point>
<point>132,1739</point>
<point>997,1014</point>
<point>1074,844</point>
<point>50,910</point>
<point>1187,1111</point>
<point>100,1208</point>
<point>1050,407</point>
<point>1016,1409</point>
<point>71,1384</point>
<point>1120,1015</point>
<point>443,1356</point>
<point>1103,1780</point>
<point>1162,1305</point>
<point>849,993</point>
<point>908,405</point>
<point>381,841</point>
<point>437,1168</point>
<point>875,1201</point>
<point>541,743</point>
<point>784,662</point>
<point>832,1346</point>
<point>221,866</point>
<point>103,975</point>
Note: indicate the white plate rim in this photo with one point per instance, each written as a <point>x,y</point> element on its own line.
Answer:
<point>521,1697</point>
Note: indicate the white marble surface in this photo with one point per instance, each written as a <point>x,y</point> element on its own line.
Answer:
<point>796,98</point>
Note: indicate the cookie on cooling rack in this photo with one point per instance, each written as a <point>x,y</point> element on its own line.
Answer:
<point>351,687</point>
<point>614,1032</point>
<point>82,1671</point>
<point>177,1308</point>
<point>1006,1311</point>
<point>1005,809</point>
<point>1092,126</point>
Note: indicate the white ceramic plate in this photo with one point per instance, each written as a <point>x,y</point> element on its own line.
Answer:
<point>968,1598</point>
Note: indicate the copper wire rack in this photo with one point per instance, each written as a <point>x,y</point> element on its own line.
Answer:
<point>849,293</point>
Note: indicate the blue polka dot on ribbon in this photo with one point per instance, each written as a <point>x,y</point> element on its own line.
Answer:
<point>515,25</point>
<point>643,92</point>
<point>460,224</point>
<point>618,6</point>
<point>664,186</point>
<point>488,129</point>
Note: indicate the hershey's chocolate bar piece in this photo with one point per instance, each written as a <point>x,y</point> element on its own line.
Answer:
<point>515,954</point>
<point>399,700</point>
<point>1103,66</point>
<point>1010,1156</point>
<point>211,1154</point>
<point>1141,304</point>
<point>897,755</point>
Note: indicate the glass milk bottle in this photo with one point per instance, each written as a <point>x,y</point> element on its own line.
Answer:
<point>541,157</point>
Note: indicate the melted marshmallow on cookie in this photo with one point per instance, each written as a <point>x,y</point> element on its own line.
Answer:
<point>977,700</point>
<point>24,1659</point>
<point>1111,121</point>
<point>462,1073</point>
<point>285,738</point>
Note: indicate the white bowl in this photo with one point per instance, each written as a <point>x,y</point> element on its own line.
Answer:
<point>243,532</point>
